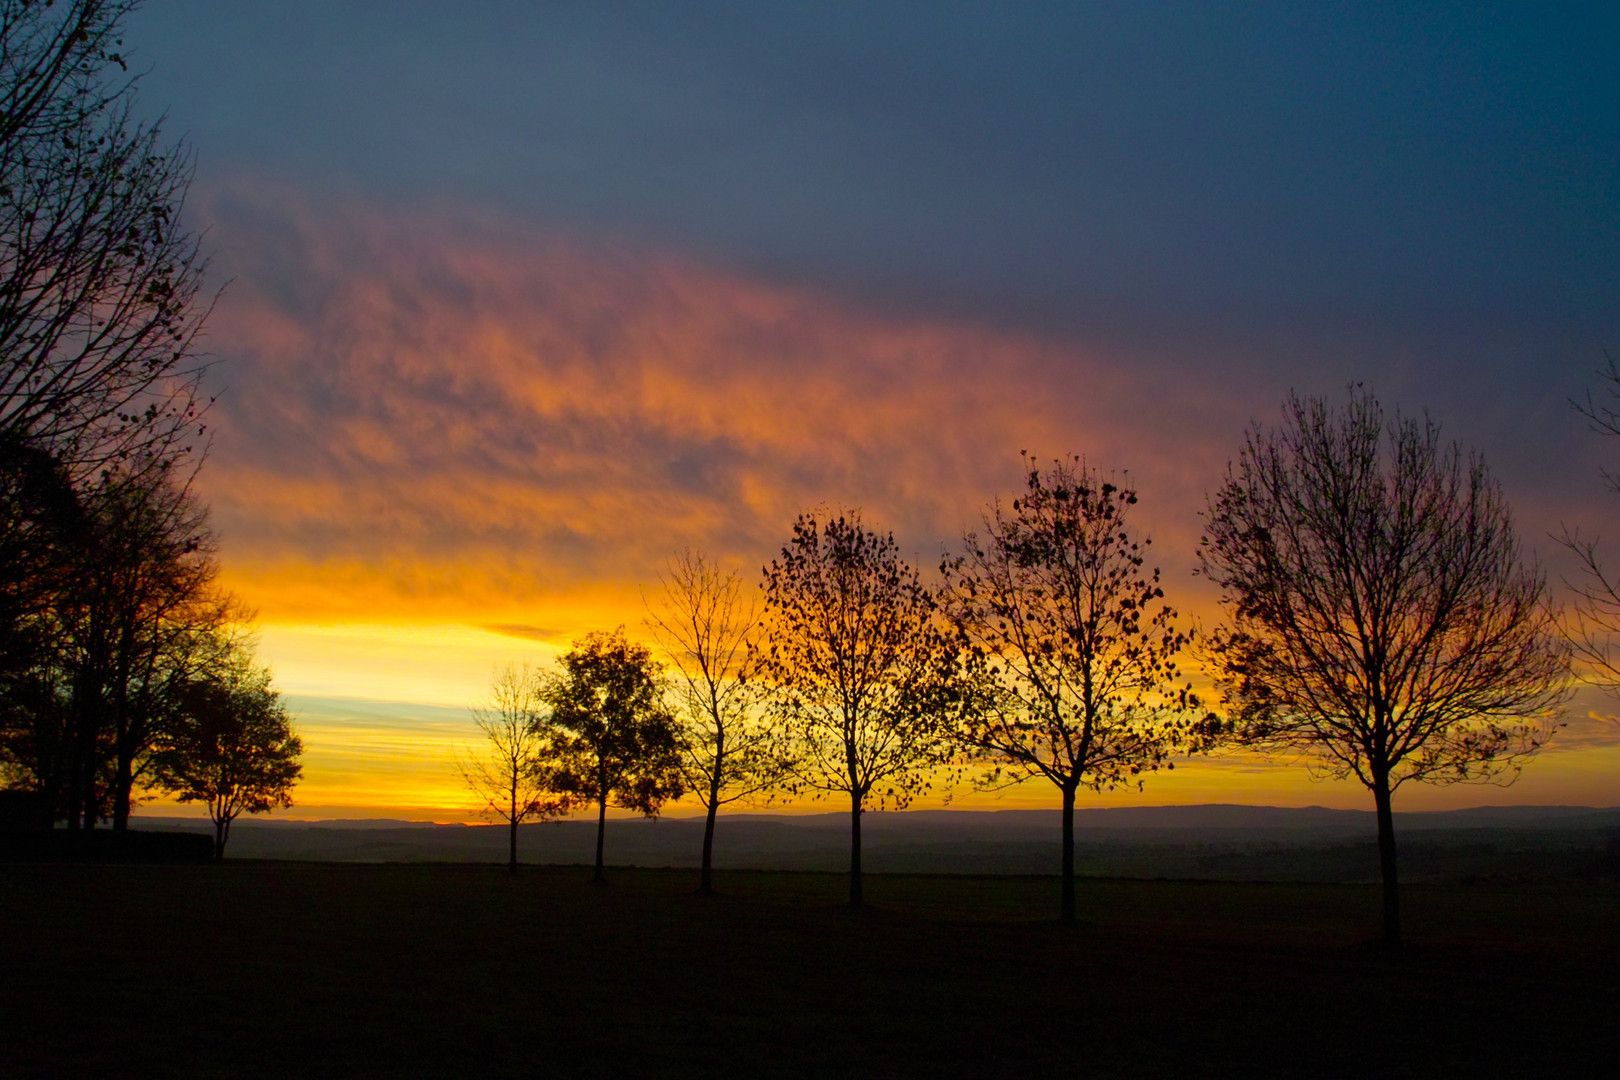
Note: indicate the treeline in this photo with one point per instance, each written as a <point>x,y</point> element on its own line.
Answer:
<point>123,665</point>
<point>1379,620</point>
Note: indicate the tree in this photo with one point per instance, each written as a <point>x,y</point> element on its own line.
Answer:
<point>113,606</point>
<point>232,747</point>
<point>616,743</point>
<point>1594,627</point>
<point>99,400</point>
<point>42,524</point>
<point>98,281</point>
<point>1380,616</point>
<point>140,618</point>
<point>511,775</point>
<point>729,750</point>
<point>859,667</point>
<point>1067,643</point>
<point>42,53</point>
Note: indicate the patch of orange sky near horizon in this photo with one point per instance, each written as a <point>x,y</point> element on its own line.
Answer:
<point>450,443</point>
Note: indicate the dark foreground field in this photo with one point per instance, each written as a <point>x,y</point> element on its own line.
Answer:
<point>282,969</point>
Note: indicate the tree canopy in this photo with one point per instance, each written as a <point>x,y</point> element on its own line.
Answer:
<point>615,743</point>
<point>231,747</point>
<point>99,280</point>
<point>859,668</point>
<point>1068,645</point>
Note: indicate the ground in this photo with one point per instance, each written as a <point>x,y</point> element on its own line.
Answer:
<point>297,969</point>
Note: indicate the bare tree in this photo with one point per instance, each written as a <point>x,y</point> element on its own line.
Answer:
<point>1380,616</point>
<point>1593,627</point>
<point>730,750</point>
<point>44,49</point>
<point>616,743</point>
<point>1069,648</point>
<point>99,311</point>
<point>511,773</point>
<point>859,668</point>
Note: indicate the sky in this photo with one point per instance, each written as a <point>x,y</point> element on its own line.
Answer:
<point>520,299</point>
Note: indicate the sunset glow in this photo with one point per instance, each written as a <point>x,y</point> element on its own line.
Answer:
<point>474,394</point>
<point>453,449</point>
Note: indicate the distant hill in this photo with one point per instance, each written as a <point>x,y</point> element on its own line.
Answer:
<point>1212,841</point>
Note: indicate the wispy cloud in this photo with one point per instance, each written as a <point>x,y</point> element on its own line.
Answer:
<point>439,416</point>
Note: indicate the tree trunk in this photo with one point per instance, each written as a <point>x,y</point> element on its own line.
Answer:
<point>123,743</point>
<point>82,797</point>
<point>601,826</point>
<point>122,785</point>
<point>856,897</point>
<point>1066,904</point>
<point>92,804</point>
<point>511,853</point>
<point>75,790</point>
<point>706,880</point>
<point>1386,860</point>
<point>221,827</point>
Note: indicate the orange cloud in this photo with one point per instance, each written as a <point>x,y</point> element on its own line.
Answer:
<point>435,417</point>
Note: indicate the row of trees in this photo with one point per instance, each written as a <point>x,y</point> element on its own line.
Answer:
<point>1379,618</point>
<point>122,664</point>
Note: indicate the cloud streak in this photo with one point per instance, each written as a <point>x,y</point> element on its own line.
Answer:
<point>439,414</point>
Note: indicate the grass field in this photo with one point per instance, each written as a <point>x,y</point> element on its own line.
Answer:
<point>284,969</point>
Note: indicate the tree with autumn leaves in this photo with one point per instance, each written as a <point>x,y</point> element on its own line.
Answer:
<point>1068,647</point>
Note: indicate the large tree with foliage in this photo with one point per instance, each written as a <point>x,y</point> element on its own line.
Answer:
<point>143,616</point>
<point>99,404</point>
<point>1380,616</point>
<point>1068,645</point>
<point>730,748</point>
<point>510,772</point>
<point>859,667</point>
<point>128,612</point>
<point>615,742</point>
<point>231,746</point>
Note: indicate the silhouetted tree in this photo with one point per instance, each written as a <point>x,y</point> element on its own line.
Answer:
<point>1594,627</point>
<point>730,750</point>
<point>511,773</point>
<point>232,746</point>
<point>42,525</point>
<point>44,49</point>
<point>114,607</point>
<point>99,316</point>
<point>1068,646</point>
<point>615,741</point>
<point>859,668</point>
<point>1380,617</point>
<point>98,280</point>
<point>141,618</point>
